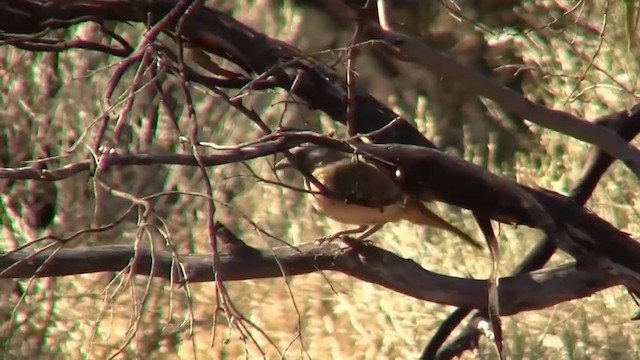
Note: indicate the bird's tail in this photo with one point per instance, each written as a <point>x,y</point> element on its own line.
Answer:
<point>417,213</point>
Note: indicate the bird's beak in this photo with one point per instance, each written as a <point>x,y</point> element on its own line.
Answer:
<point>283,164</point>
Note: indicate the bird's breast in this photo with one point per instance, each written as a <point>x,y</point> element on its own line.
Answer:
<point>342,211</point>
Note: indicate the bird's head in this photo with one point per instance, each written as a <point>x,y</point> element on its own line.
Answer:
<point>310,156</point>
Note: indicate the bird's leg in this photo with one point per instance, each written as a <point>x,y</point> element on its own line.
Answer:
<point>338,234</point>
<point>364,229</point>
<point>369,232</point>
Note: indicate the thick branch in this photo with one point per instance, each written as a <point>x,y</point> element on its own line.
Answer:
<point>217,33</point>
<point>448,67</point>
<point>432,175</point>
<point>449,180</point>
<point>364,262</point>
<point>624,123</point>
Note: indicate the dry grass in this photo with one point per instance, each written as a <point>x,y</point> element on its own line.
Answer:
<point>329,316</point>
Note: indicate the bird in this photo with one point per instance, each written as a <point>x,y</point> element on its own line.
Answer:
<point>357,192</point>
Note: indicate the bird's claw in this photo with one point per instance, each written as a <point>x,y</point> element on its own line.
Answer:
<point>345,238</point>
<point>326,239</point>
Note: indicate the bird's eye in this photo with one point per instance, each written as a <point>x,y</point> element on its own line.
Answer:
<point>399,174</point>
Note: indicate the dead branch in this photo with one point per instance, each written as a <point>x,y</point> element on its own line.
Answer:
<point>455,181</point>
<point>364,262</point>
<point>624,123</point>
<point>452,181</point>
<point>469,186</point>
<point>415,50</point>
<point>267,147</point>
<point>606,256</point>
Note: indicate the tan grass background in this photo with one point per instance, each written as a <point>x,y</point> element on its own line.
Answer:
<point>312,316</point>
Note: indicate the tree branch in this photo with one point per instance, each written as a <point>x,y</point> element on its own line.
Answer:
<point>409,48</point>
<point>432,175</point>
<point>358,260</point>
<point>624,123</point>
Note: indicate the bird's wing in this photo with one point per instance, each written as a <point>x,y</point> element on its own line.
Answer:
<point>359,183</point>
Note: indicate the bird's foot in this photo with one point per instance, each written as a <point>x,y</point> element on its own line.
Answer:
<point>350,241</point>
<point>344,234</point>
<point>327,239</point>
